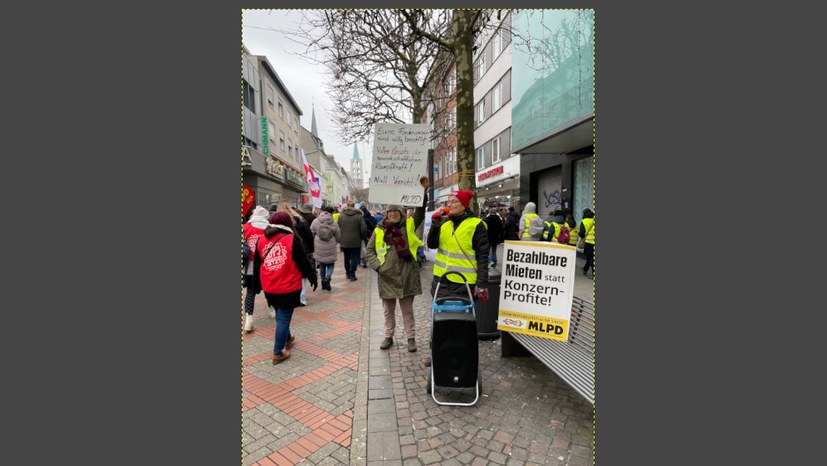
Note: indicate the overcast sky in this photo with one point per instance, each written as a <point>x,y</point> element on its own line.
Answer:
<point>304,81</point>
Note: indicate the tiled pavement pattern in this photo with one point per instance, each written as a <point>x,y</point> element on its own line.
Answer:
<point>317,408</point>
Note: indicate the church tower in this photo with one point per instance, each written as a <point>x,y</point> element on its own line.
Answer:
<point>356,169</point>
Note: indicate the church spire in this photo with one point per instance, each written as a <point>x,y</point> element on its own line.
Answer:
<point>355,152</point>
<point>313,130</point>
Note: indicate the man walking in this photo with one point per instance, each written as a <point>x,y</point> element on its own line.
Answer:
<point>352,224</point>
<point>496,231</point>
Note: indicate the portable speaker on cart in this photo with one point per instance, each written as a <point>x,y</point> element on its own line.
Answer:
<point>454,344</point>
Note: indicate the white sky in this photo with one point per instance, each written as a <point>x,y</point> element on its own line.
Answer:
<point>304,81</point>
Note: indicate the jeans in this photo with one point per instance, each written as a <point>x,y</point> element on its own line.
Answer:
<point>326,271</point>
<point>283,318</point>
<point>351,260</point>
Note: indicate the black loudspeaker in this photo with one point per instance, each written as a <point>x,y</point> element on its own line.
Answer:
<point>454,350</point>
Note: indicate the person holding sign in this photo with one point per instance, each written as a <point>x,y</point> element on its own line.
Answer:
<point>391,251</point>
<point>461,241</point>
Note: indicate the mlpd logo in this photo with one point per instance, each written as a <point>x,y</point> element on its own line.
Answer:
<point>513,322</point>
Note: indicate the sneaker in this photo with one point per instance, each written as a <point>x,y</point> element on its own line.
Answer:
<point>386,343</point>
<point>290,341</point>
<point>277,358</point>
<point>248,323</point>
<point>271,312</point>
<point>411,345</point>
<point>427,362</point>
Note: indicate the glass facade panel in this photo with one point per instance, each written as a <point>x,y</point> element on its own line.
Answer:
<point>553,84</point>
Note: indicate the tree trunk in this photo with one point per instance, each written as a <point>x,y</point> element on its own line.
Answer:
<point>463,43</point>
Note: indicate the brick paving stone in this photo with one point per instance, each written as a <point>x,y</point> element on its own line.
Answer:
<point>430,457</point>
<point>498,458</point>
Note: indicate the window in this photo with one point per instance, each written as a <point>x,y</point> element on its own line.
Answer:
<point>497,43</point>
<point>249,97</point>
<point>482,63</point>
<point>453,81</point>
<point>281,141</point>
<point>281,110</point>
<point>453,154</point>
<point>453,118</point>
<point>480,112</point>
<point>271,130</point>
<point>290,151</point>
<point>270,93</point>
<point>495,150</point>
<point>296,125</point>
<point>497,96</point>
<point>481,158</point>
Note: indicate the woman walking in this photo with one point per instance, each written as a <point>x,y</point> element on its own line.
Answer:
<point>302,228</point>
<point>284,262</point>
<point>253,232</point>
<point>327,235</point>
<point>391,251</point>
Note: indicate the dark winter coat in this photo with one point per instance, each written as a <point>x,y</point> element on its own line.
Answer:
<point>480,244</point>
<point>326,252</point>
<point>303,229</point>
<point>309,219</point>
<point>496,229</point>
<point>512,226</point>
<point>352,224</point>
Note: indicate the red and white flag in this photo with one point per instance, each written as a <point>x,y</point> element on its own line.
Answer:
<point>312,183</point>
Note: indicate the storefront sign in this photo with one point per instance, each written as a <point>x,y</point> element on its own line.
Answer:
<point>537,289</point>
<point>273,167</point>
<point>265,139</point>
<point>490,173</point>
<point>294,178</point>
<point>400,158</point>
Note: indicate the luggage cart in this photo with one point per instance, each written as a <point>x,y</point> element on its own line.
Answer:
<point>454,344</point>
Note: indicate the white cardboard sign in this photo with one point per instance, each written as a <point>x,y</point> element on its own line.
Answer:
<point>400,158</point>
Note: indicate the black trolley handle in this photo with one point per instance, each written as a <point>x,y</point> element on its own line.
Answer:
<point>465,280</point>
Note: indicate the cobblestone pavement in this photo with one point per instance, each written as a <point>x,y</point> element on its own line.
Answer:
<point>339,399</point>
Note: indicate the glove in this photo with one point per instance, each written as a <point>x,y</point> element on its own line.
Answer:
<point>437,216</point>
<point>314,284</point>
<point>482,294</point>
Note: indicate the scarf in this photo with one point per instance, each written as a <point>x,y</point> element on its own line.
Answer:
<point>393,237</point>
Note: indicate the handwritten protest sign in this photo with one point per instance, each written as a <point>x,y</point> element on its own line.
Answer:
<point>537,289</point>
<point>400,158</point>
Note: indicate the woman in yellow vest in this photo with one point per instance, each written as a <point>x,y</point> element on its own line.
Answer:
<point>587,232</point>
<point>391,251</point>
<point>573,233</point>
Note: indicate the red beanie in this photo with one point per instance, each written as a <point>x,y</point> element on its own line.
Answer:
<point>463,196</point>
<point>281,218</point>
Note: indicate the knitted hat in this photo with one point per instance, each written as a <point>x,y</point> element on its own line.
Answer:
<point>281,218</point>
<point>464,196</point>
<point>307,208</point>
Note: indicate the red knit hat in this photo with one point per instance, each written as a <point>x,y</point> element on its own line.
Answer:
<point>464,196</point>
<point>281,218</point>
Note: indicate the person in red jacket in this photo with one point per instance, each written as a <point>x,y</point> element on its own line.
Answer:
<point>284,262</point>
<point>253,231</point>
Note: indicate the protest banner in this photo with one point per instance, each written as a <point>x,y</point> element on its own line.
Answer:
<point>400,158</point>
<point>537,287</point>
<point>312,182</point>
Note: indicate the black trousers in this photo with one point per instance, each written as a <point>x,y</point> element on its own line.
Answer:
<point>588,250</point>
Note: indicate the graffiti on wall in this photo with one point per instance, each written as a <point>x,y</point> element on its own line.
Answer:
<point>552,200</point>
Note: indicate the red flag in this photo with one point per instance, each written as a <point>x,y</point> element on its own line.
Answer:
<point>248,199</point>
<point>312,182</point>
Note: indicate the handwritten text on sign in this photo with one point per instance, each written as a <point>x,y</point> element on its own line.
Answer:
<point>537,289</point>
<point>400,158</point>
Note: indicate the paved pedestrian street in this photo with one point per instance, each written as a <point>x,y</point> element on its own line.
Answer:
<point>339,399</point>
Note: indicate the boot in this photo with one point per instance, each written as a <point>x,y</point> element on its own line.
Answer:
<point>248,323</point>
<point>386,343</point>
<point>411,345</point>
<point>326,285</point>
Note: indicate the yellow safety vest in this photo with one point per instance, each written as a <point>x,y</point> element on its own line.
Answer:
<point>382,248</point>
<point>336,217</point>
<point>545,233</point>
<point>589,224</point>
<point>450,256</point>
<point>528,218</point>
<point>573,235</point>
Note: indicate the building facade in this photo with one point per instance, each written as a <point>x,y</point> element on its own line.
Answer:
<point>441,114</point>
<point>253,161</point>
<point>552,111</point>
<point>280,117</point>
<point>497,167</point>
